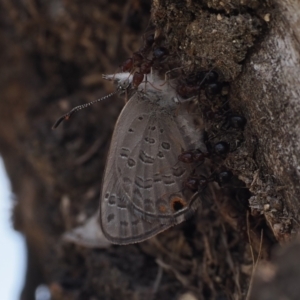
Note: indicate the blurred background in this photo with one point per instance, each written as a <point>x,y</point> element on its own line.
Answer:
<point>12,250</point>
<point>52,57</point>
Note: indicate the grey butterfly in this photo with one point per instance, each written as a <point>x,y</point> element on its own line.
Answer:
<point>143,185</point>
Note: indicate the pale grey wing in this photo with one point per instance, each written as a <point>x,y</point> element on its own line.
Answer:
<point>155,179</point>
<point>142,192</point>
<point>117,221</point>
<point>119,224</point>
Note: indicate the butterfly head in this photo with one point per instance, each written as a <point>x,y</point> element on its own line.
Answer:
<point>123,80</point>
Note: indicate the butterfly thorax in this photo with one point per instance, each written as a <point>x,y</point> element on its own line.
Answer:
<point>152,89</point>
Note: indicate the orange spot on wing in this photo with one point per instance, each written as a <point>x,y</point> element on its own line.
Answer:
<point>162,208</point>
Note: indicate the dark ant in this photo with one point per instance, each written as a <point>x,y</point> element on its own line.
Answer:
<point>205,78</point>
<point>213,89</point>
<point>224,177</point>
<point>199,182</point>
<point>159,53</point>
<point>238,122</point>
<point>221,148</point>
<point>231,121</point>
<point>220,113</point>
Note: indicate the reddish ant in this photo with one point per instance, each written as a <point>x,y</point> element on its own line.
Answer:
<point>159,54</point>
<point>139,60</point>
<point>138,57</point>
<point>194,182</point>
<point>199,182</point>
<point>197,156</point>
<point>207,80</point>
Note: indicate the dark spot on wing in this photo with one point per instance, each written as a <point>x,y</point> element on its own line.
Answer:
<point>110,217</point>
<point>168,180</point>
<point>166,145</point>
<point>124,152</point>
<point>131,163</point>
<point>149,140</point>
<point>146,158</point>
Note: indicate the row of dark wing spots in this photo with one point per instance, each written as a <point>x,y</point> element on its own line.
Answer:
<point>129,227</point>
<point>134,228</point>
<point>144,184</point>
<point>178,171</point>
<point>157,177</point>
<point>146,158</point>
<point>149,140</point>
<point>124,224</point>
<point>123,212</point>
<point>112,200</point>
<point>124,152</point>
<point>121,203</point>
<point>153,128</point>
<point>124,227</point>
<point>168,180</point>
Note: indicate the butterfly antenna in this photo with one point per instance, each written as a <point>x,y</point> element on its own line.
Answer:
<point>79,107</point>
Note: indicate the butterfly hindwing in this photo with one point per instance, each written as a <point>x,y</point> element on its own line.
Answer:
<point>142,191</point>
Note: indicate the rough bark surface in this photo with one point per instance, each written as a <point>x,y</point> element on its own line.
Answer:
<point>52,57</point>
